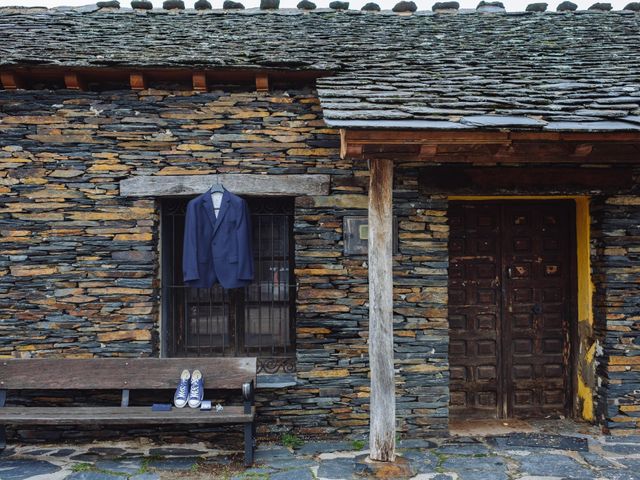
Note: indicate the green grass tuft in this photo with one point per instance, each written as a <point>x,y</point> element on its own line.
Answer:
<point>82,467</point>
<point>291,441</point>
<point>358,444</point>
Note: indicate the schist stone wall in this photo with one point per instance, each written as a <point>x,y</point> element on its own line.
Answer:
<point>616,275</point>
<point>79,262</point>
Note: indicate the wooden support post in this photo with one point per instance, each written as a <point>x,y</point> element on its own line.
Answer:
<point>382,434</point>
<point>138,81</point>
<point>11,81</point>
<point>199,80</point>
<point>73,81</point>
<point>262,82</point>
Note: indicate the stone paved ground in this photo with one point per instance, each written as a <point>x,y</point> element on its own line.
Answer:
<point>523,456</point>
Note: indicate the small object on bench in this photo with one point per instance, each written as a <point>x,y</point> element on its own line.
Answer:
<point>127,374</point>
<point>161,407</point>
<point>205,405</point>
<point>219,408</point>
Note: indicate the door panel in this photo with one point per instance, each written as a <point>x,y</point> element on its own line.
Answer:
<point>510,303</point>
<point>536,241</point>
<point>474,310</point>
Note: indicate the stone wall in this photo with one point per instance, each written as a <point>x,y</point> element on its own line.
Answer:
<point>79,262</point>
<point>333,313</point>
<point>616,270</point>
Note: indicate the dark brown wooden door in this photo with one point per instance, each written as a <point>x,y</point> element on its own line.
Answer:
<point>510,308</point>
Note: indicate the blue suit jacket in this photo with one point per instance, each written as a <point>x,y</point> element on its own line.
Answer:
<point>217,249</point>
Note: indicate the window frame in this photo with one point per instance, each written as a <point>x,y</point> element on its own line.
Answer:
<point>236,302</point>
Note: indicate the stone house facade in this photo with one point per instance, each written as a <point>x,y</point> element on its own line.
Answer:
<point>100,148</point>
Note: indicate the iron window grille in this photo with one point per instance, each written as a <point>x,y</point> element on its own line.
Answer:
<point>258,320</point>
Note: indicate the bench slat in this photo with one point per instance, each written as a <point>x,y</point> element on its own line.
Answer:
<point>119,416</point>
<point>121,373</point>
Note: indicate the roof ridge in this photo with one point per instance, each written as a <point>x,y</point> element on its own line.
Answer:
<point>93,8</point>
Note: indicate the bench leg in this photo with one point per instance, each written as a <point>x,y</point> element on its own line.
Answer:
<point>249,443</point>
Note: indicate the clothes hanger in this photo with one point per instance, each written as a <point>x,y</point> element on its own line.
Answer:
<point>217,187</point>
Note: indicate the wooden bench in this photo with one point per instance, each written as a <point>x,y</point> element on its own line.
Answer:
<point>128,375</point>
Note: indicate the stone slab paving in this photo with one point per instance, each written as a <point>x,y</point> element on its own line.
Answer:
<point>518,456</point>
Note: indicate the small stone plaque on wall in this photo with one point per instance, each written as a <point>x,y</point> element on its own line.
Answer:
<point>356,235</point>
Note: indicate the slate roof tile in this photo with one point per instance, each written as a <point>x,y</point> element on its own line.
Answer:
<point>425,70</point>
<point>501,121</point>
<point>591,126</point>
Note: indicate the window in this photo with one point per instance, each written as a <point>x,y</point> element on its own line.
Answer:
<point>257,320</point>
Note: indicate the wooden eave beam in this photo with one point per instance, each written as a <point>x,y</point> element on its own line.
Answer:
<point>199,79</point>
<point>391,137</point>
<point>421,137</point>
<point>482,146</point>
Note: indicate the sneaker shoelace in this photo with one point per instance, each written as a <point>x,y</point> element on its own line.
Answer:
<point>182,390</point>
<point>195,389</point>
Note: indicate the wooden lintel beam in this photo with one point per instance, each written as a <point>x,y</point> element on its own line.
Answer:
<point>152,186</point>
<point>262,82</point>
<point>11,81</point>
<point>199,80</point>
<point>138,81</point>
<point>73,81</point>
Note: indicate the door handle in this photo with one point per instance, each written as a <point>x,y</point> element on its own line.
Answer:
<point>510,272</point>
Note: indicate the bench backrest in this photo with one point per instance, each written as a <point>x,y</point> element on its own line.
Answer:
<point>122,373</point>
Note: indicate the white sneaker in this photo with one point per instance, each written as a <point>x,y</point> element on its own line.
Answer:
<point>181,396</point>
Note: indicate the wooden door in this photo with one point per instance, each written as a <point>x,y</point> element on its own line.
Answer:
<point>511,298</point>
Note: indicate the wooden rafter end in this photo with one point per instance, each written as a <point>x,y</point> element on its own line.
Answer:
<point>11,81</point>
<point>262,82</point>
<point>138,81</point>
<point>73,81</point>
<point>199,79</point>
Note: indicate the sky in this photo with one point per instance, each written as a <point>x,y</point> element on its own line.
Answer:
<point>511,5</point>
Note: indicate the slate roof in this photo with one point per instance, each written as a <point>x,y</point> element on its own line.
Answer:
<point>551,71</point>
